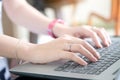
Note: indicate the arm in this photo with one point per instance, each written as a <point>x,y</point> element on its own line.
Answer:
<point>8,47</point>
<point>47,52</point>
<point>20,12</point>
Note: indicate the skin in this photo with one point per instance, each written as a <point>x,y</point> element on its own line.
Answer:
<point>57,49</point>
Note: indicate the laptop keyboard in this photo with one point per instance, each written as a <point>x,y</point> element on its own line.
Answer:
<point>109,55</point>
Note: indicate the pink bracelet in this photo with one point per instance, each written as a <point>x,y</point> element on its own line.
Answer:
<point>51,25</point>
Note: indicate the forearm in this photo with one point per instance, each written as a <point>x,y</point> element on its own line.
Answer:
<point>10,46</point>
<point>22,13</point>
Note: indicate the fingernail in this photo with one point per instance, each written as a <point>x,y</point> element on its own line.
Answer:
<point>110,41</point>
<point>95,60</point>
<point>85,63</point>
<point>100,46</point>
<point>98,55</point>
<point>106,44</point>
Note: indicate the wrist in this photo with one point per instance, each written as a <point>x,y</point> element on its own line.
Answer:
<point>61,29</point>
<point>23,50</point>
<point>52,25</point>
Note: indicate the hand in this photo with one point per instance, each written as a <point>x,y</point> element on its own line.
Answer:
<point>86,31</point>
<point>64,47</point>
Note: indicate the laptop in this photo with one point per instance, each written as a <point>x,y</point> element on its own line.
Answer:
<point>107,68</point>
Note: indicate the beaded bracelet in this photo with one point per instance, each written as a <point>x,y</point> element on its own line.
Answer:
<point>51,25</point>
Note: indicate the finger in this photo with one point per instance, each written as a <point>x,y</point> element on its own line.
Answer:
<point>101,33</point>
<point>95,39</point>
<point>78,42</point>
<point>91,49</point>
<point>81,49</point>
<point>108,37</point>
<point>74,57</point>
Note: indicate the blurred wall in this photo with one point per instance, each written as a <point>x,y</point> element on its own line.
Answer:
<point>8,26</point>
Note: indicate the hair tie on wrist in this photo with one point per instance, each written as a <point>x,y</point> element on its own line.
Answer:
<point>19,61</point>
<point>52,25</point>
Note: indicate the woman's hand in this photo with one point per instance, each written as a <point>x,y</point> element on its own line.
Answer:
<point>64,47</point>
<point>84,32</point>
